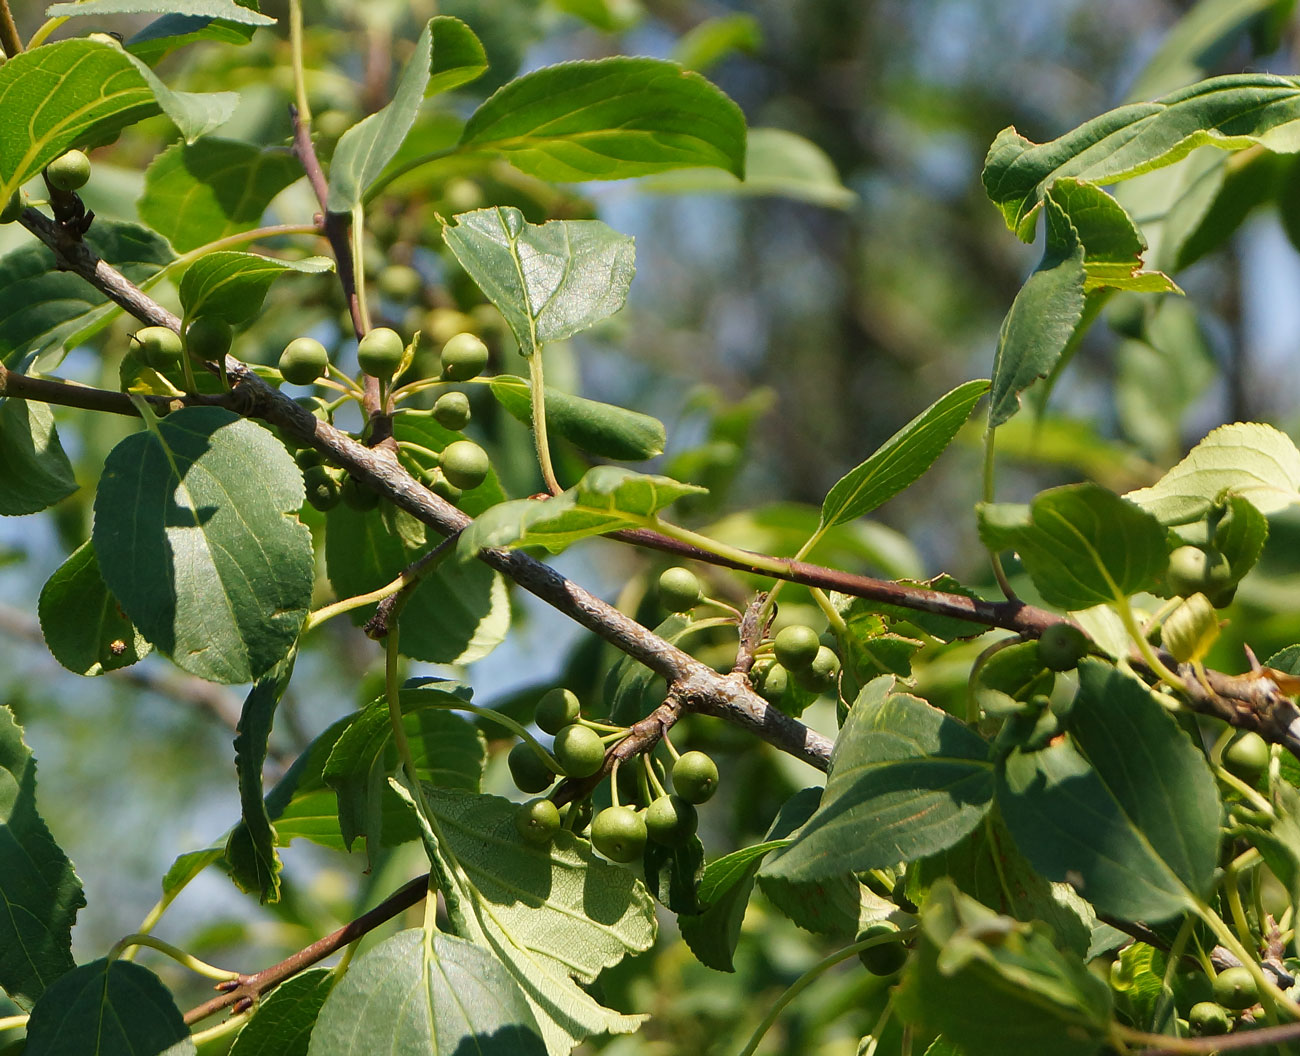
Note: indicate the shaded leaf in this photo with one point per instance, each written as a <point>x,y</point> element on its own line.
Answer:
<point>723,894</point>
<point>1113,246</point>
<point>34,470</point>
<point>673,873</point>
<point>600,428</point>
<point>631,689</point>
<point>83,626</point>
<point>232,285</point>
<point>166,34</point>
<point>283,1020</point>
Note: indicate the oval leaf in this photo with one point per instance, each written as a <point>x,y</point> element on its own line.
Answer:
<point>283,1020</point>
<point>232,285</point>
<point>34,470</point>
<point>83,625</point>
<point>224,9</point>
<point>600,428</point>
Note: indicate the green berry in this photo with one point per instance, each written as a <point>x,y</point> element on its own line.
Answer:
<point>358,496</point>
<point>451,410</point>
<point>303,360</point>
<point>796,647</point>
<point>463,357</point>
<point>465,464</point>
<point>1208,1018</point>
<point>528,770</point>
<point>1062,646</point>
<point>13,208</point>
<point>157,346</point>
<point>1236,988</point>
<point>557,709</point>
<point>208,338</point>
<point>619,834</point>
<point>380,352</point>
<point>821,675</point>
<point>322,488</point>
<point>671,820</point>
<point>773,682</point>
<point>579,750</point>
<point>695,777</point>
<point>537,821</point>
<point>1196,571</point>
<point>888,957</point>
<point>69,171</point>
<point>1247,756</point>
<point>400,282</point>
<point>308,457</point>
<point>679,589</point>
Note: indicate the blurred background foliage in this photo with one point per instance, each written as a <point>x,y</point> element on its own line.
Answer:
<point>780,338</point>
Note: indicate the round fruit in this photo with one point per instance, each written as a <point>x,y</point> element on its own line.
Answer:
<point>528,770</point>
<point>358,496</point>
<point>380,352</point>
<point>69,171</point>
<point>1193,570</point>
<point>208,337</point>
<point>303,360</point>
<point>888,957</point>
<point>557,709</point>
<point>13,208</point>
<point>451,410</point>
<point>679,589</point>
<point>579,750</point>
<point>465,464</point>
<point>158,346</point>
<point>796,647</point>
<point>1207,1018</point>
<point>619,834</point>
<point>322,488</point>
<point>1062,646</point>
<point>537,821</point>
<point>1247,756</point>
<point>400,282</point>
<point>695,777</point>
<point>307,457</point>
<point>774,682</point>
<point>671,820</point>
<point>1235,988</point>
<point>822,673</point>
<point>463,357</point>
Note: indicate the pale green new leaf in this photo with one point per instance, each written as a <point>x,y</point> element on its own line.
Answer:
<point>607,499</point>
<point>34,470</point>
<point>609,119</point>
<point>197,535</point>
<point>232,285</point>
<point>366,147</point>
<point>901,459</point>
<point>38,886</point>
<point>550,281</point>
<point>84,628</point>
<point>600,428</point>
<point>1256,462</point>
<point>224,9</point>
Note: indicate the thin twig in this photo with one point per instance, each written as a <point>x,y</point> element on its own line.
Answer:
<point>10,41</point>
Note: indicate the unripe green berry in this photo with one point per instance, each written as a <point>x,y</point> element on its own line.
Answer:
<point>796,647</point>
<point>157,346</point>
<point>69,171</point>
<point>451,410</point>
<point>308,457</point>
<point>463,357</point>
<point>1236,988</point>
<point>888,957</point>
<point>821,675</point>
<point>303,360</point>
<point>773,682</point>
<point>557,709</point>
<point>208,338</point>
<point>322,488</point>
<point>358,496</point>
<point>1247,756</point>
<point>679,589</point>
<point>399,282</point>
<point>380,352</point>
<point>1208,1018</point>
<point>537,821</point>
<point>465,464</point>
<point>13,208</point>
<point>1062,646</point>
<point>619,834</point>
<point>1194,570</point>
<point>671,820</point>
<point>528,770</point>
<point>695,777</point>
<point>578,750</point>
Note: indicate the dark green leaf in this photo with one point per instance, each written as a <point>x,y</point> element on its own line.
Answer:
<point>1081,544</point>
<point>458,56</point>
<point>906,781</point>
<point>1240,535</point>
<point>550,281</point>
<point>166,34</point>
<point>631,689</point>
<point>901,459</point>
<point>673,873</point>
<point>609,119</point>
<point>195,194</point>
<point>224,9</point>
<point>1130,817</point>
<point>38,885</point>
<point>723,894</point>
<point>197,536</point>
<point>1112,244</point>
<point>282,1024</point>
<point>232,285</point>
<point>34,471</point>
<point>83,626</point>
<point>600,428</point>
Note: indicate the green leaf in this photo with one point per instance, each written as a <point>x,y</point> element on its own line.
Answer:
<point>550,281</point>
<point>232,285</point>
<point>778,164</point>
<point>1128,813</point>
<point>673,873</point>
<point>102,90</point>
<point>723,893</point>
<point>609,119</point>
<point>224,9</point>
<point>1257,462</point>
<point>197,193</point>
<point>901,459</point>
<point>197,536</point>
<point>945,628</point>
<point>44,311</point>
<point>365,148</point>
<point>83,626</point>
<point>186,867</point>
<point>607,499</point>
<point>996,987</point>
<point>164,35</point>
<point>1081,544</point>
<point>1113,245</point>
<point>283,1021</point>
<point>426,994</point>
<point>250,851</point>
<point>34,471</point>
<point>1138,977</point>
<point>38,885</point>
<point>458,56</point>
<point>108,1008</point>
<point>631,689</point>
<point>1232,113</point>
<point>713,39</point>
<point>905,781</point>
<point>600,428</point>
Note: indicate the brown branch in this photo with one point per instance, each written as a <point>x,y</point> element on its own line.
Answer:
<point>10,40</point>
<point>1246,1039</point>
<point>46,390</point>
<point>247,989</point>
